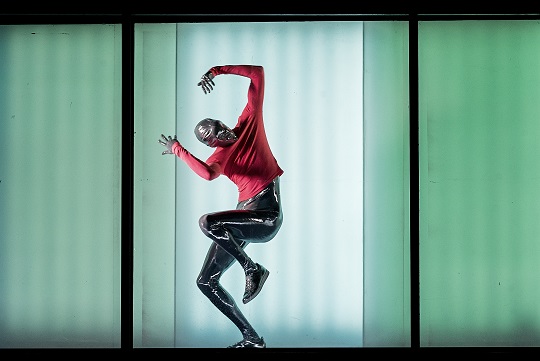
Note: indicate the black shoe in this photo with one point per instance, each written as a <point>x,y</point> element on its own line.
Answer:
<point>249,344</point>
<point>254,283</point>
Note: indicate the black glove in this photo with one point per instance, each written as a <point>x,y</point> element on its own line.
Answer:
<point>206,83</point>
<point>167,143</point>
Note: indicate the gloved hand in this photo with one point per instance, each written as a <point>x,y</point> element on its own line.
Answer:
<point>206,83</point>
<point>167,143</point>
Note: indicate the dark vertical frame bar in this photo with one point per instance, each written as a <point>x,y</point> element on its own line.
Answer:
<point>414,182</point>
<point>126,312</point>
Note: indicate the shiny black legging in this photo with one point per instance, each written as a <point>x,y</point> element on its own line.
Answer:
<point>255,220</point>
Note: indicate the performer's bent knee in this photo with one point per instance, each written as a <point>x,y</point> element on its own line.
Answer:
<point>205,224</point>
<point>212,227</point>
<point>202,284</point>
<point>206,284</point>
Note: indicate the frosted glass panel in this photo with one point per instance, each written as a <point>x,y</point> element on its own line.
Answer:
<point>315,109</point>
<point>313,119</point>
<point>60,116</point>
<point>154,187</point>
<point>480,200</point>
<point>387,316</point>
<point>316,135</point>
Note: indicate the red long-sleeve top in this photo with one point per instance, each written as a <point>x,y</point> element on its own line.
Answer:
<point>248,162</point>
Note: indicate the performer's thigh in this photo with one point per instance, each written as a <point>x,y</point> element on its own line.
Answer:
<point>251,226</point>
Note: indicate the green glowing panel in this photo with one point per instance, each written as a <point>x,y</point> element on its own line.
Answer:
<point>480,195</point>
<point>60,116</point>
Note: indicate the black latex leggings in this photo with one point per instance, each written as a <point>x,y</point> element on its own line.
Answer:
<point>256,220</point>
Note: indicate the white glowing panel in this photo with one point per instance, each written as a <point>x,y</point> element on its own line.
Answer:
<point>313,119</point>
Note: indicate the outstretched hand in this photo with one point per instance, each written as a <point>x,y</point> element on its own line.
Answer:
<point>206,83</point>
<point>167,142</point>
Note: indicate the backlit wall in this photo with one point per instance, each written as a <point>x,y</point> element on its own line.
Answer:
<point>337,115</point>
<point>336,110</point>
<point>314,113</point>
<point>60,117</point>
<point>387,190</point>
<point>479,190</point>
<point>313,119</point>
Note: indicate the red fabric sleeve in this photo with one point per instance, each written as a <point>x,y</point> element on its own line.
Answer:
<point>198,166</point>
<point>256,87</point>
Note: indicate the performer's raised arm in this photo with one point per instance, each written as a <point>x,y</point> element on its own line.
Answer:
<point>253,72</point>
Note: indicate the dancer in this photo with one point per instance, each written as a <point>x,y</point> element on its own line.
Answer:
<point>244,156</point>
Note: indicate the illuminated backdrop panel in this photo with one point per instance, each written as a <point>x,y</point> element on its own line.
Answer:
<point>480,200</point>
<point>60,116</point>
<point>314,115</point>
